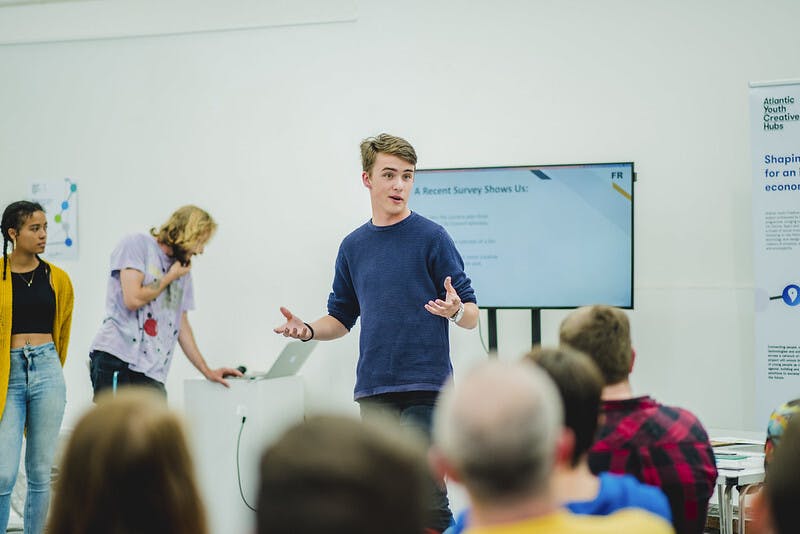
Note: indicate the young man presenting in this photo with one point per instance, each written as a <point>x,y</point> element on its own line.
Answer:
<point>401,273</point>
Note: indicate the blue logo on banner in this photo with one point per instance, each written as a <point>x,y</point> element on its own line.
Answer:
<point>791,295</point>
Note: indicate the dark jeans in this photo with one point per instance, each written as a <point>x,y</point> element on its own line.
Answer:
<point>104,366</point>
<point>413,409</point>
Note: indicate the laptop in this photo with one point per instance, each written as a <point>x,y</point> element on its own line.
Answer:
<point>288,362</point>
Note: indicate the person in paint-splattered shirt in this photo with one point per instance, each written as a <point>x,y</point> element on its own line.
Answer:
<point>149,294</point>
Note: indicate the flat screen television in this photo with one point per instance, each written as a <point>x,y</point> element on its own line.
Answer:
<point>549,236</point>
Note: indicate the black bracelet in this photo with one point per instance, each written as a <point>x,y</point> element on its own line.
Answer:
<point>312,333</point>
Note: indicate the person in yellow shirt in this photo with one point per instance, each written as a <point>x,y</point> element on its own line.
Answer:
<point>35,316</point>
<point>500,433</point>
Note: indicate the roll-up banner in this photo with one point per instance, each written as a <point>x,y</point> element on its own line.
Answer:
<point>775,140</point>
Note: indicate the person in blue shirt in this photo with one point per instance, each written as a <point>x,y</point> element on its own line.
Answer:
<point>580,384</point>
<point>402,275</point>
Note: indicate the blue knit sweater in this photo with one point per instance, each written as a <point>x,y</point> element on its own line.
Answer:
<point>385,275</point>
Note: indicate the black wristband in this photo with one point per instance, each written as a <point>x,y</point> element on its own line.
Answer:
<point>312,333</point>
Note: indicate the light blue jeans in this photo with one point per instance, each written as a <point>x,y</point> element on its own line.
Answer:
<point>35,400</point>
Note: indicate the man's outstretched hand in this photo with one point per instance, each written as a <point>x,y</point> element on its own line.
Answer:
<point>294,327</point>
<point>448,307</point>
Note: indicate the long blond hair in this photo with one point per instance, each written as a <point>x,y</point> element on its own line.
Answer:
<point>127,470</point>
<point>187,226</point>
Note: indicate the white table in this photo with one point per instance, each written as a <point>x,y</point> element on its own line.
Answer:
<point>739,474</point>
<point>726,481</point>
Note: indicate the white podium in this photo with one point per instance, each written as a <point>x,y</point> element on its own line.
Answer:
<point>214,417</point>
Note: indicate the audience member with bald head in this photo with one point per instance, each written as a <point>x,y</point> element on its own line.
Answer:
<point>660,445</point>
<point>500,433</point>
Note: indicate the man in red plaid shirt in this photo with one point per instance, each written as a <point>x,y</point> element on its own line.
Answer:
<point>660,445</point>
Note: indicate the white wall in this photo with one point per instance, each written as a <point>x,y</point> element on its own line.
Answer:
<point>261,127</point>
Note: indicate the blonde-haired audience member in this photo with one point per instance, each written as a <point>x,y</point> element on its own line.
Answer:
<point>148,296</point>
<point>127,470</point>
<point>499,432</point>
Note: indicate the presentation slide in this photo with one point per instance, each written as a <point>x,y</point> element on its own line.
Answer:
<point>537,237</point>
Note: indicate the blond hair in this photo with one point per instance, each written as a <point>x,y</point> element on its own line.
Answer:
<point>127,469</point>
<point>186,227</point>
<point>385,144</point>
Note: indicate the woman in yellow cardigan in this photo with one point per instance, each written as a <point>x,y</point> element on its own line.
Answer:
<point>35,315</point>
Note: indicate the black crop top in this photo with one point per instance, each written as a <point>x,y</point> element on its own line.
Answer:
<point>33,306</point>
